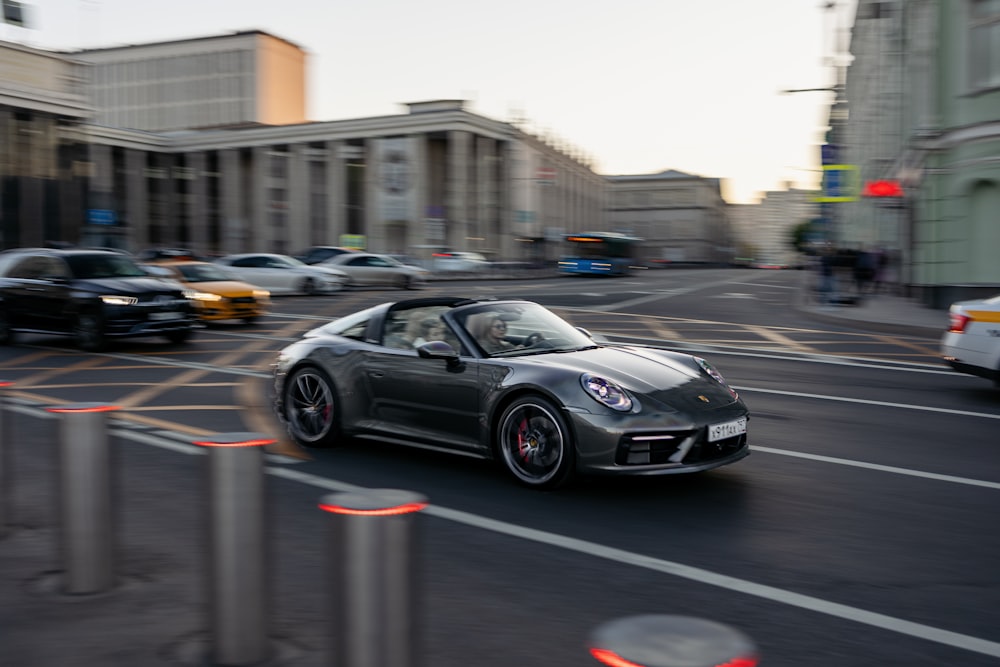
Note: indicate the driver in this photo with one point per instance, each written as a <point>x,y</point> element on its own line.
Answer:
<point>493,339</point>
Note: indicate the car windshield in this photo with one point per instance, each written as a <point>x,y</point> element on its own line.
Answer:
<point>520,329</point>
<point>88,267</point>
<point>203,273</point>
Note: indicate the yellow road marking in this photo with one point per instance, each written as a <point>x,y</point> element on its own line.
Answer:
<point>775,337</point>
<point>42,376</point>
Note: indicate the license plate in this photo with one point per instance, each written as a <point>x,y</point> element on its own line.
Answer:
<point>166,316</point>
<point>727,429</point>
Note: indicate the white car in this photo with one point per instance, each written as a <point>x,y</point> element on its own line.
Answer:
<point>972,343</point>
<point>460,261</point>
<point>365,268</point>
<point>281,274</point>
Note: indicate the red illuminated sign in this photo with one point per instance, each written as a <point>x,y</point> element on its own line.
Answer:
<point>882,189</point>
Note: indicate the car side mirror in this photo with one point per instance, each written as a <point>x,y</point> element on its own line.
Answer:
<point>437,349</point>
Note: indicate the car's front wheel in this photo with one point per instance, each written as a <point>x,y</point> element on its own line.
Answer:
<point>310,408</point>
<point>309,287</point>
<point>535,444</point>
<point>88,330</point>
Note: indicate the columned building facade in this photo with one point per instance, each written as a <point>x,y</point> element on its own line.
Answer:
<point>437,177</point>
<point>44,161</point>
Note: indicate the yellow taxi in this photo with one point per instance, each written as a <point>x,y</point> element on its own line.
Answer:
<point>215,293</point>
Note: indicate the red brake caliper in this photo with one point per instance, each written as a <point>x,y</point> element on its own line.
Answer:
<point>523,447</point>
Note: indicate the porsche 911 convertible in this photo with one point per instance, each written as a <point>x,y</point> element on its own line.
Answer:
<point>510,381</point>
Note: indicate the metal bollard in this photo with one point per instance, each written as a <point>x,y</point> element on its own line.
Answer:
<point>85,504</point>
<point>374,567</point>
<point>6,494</point>
<point>671,641</point>
<point>237,574</point>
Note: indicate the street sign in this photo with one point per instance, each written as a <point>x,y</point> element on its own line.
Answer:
<point>545,176</point>
<point>101,216</point>
<point>839,183</point>
<point>829,153</point>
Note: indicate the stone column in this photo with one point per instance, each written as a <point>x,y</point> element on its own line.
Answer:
<point>298,215</point>
<point>233,224</point>
<point>371,215</point>
<point>416,233</point>
<point>457,188</point>
<point>260,237</point>
<point>197,204</point>
<point>336,194</point>
<point>136,211</point>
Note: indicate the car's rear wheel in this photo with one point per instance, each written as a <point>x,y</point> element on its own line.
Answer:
<point>535,444</point>
<point>6,329</point>
<point>88,330</point>
<point>310,407</point>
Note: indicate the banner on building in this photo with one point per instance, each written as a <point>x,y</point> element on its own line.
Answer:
<point>396,192</point>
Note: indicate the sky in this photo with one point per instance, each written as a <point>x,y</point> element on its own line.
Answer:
<point>638,86</point>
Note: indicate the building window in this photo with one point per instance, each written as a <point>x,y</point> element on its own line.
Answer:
<point>984,44</point>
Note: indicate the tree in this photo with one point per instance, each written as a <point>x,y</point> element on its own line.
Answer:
<point>801,238</point>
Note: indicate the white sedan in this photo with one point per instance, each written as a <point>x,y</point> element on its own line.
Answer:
<point>460,261</point>
<point>972,343</point>
<point>364,268</point>
<point>281,274</point>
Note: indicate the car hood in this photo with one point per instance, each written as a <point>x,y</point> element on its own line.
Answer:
<point>138,285</point>
<point>649,373</point>
<point>224,287</point>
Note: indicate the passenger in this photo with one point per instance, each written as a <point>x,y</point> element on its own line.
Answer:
<point>431,328</point>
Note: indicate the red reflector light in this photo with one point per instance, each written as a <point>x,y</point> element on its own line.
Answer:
<point>612,659</point>
<point>957,322</point>
<point>408,508</point>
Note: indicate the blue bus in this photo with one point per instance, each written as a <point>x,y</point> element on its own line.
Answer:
<point>600,253</point>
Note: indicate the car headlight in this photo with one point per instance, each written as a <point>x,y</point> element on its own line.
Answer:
<point>201,296</point>
<point>716,375</point>
<point>118,300</point>
<point>606,392</point>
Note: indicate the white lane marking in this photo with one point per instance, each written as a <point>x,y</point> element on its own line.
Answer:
<point>666,294</point>
<point>864,401</point>
<point>891,623</point>
<point>879,467</point>
<point>781,596</point>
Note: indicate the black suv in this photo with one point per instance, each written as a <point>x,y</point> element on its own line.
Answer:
<point>91,295</point>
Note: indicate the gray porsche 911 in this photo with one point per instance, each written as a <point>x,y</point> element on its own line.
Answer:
<point>509,381</point>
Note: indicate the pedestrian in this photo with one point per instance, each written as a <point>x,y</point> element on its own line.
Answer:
<point>864,271</point>
<point>827,279</point>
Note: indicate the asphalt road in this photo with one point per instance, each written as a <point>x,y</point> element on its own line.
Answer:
<point>859,532</point>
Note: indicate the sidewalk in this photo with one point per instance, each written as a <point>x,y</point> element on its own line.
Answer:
<point>886,313</point>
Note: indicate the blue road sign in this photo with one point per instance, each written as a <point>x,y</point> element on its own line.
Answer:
<point>101,216</point>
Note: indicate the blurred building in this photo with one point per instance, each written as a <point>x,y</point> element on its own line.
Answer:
<point>681,217</point>
<point>924,96</point>
<point>44,163</point>
<point>243,78</point>
<point>189,149</point>
<point>778,214</point>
